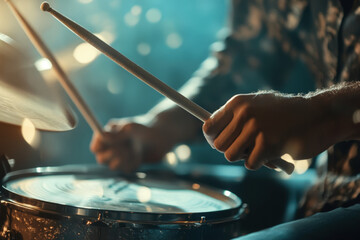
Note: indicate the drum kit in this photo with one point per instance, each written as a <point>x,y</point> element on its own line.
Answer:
<point>90,202</point>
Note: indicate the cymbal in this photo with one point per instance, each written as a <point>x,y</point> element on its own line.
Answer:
<point>24,94</point>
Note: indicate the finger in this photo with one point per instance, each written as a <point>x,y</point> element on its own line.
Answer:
<point>240,146</point>
<point>113,125</point>
<point>105,156</point>
<point>224,140</point>
<point>98,142</point>
<point>257,156</point>
<point>123,162</point>
<point>216,123</point>
<point>115,163</point>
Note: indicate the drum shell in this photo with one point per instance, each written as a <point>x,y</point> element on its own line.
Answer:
<point>27,220</point>
<point>24,223</point>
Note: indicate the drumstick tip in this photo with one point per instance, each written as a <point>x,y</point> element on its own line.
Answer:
<point>45,6</point>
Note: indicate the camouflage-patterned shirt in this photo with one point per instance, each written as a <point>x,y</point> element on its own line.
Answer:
<point>265,40</point>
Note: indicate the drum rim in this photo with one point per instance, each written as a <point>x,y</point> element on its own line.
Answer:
<point>125,216</point>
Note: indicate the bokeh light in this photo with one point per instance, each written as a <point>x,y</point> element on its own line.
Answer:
<point>43,64</point>
<point>143,194</point>
<point>144,49</point>
<point>301,166</point>
<point>171,159</point>
<point>29,133</point>
<point>195,186</point>
<point>183,152</point>
<point>136,10</point>
<point>153,15</point>
<point>131,20</point>
<point>85,53</point>
<point>174,40</point>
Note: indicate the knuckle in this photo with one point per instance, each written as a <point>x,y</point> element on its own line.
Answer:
<point>245,111</point>
<point>219,145</point>
<point>128,127</point>
<point>234,101</point>
<point>250,165</point>
<point>253,123</point>
<point>230,156</point>
<point>92,147</point>
<point>100,159</point>
<point>206,127</point>
<point>261,139</point>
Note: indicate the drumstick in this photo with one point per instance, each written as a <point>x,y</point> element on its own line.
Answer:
<point>130,66</point>
<point>142,74</point>
<point>63,78</point>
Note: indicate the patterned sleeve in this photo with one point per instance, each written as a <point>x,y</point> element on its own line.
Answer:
<point>256,54</point>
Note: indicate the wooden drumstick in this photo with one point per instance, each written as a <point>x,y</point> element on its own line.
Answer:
<point>142,74</point>
<point>63,78</point>
<point>130,66</point>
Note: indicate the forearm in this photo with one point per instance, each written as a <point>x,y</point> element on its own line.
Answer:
<point>174,122</point>
<point>340,105</point>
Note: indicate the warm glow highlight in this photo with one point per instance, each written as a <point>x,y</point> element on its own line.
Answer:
<point>29,133</point>
<point>183,152</point>
<point>196,186</point>
<point>143,194</point>
<point>85,53</point>
<point>43,64</point>
<point>174,40</point>
<point>171,159</point>
<point>300,165</point>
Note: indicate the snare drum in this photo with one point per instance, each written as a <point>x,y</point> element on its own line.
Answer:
<point>90,203</point>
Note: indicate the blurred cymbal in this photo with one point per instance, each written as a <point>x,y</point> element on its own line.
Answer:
<point>24,94</point>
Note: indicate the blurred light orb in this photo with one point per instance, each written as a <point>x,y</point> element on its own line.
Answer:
<point>287,157</point>
<point>144,49</point>
<point>30,133</point>
<point>141,175</point>
<point>131,20</point>
<point>196,186</point>
<point>136,10</point>
<point>227,193</point>
<point>85,53</point>
<point>106,36</point>
<point>85,1</point>
<point>174,40</point>
<point>114,86</point>
<point>171,159</point>
<point>43,64</point>
<point>183,152</point>
<point>302,165</point>
<point>153,15</point>
<point>356,116</point>
<point>143,194</point>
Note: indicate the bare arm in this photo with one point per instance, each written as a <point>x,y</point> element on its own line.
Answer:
<point>264,126</point>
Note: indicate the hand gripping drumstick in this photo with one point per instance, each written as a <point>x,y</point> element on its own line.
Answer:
<point>143,75</point>
<point>63,79</point>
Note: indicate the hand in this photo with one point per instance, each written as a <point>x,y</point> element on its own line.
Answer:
<point>262,127</point>
<point>127,144</point>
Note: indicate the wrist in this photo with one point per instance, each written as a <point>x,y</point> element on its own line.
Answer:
<point>176,125</point>
<point>335,114</point>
